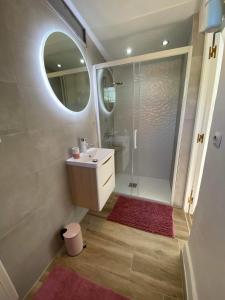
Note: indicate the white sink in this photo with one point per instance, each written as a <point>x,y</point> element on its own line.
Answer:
<point>93,158</point>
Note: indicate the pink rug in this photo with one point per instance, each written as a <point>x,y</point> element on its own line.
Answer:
<point>65,284</point>
<point>144,215</point>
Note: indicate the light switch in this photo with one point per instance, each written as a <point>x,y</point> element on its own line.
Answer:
<point>217,139</point>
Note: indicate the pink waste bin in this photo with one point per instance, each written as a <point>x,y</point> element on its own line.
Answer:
<point>73,239</point>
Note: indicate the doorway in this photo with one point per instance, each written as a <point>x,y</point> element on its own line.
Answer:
<point>207,96</point>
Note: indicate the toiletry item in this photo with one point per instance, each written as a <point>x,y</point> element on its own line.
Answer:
<point>83,145</point>
<point>76,152</point>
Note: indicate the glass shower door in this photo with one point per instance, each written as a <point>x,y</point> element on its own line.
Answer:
<point>115,95</point>
<point>139,112</point>
<point>134,176</point>
<point>156,108</point>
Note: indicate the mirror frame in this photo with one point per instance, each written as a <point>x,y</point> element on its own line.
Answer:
<point>101,100</point>
<point>45,76</point>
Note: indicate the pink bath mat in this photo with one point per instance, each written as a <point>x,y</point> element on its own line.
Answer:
<point>144,215</point>
<point>65,284</point>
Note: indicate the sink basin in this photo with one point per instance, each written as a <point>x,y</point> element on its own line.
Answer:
<point>93,158</point>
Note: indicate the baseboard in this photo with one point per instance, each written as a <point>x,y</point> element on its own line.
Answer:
<point>183,277</point>
<point>190,292</point>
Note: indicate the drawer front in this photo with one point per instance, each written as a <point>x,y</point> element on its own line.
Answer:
<point>105,170</point>
<point>106,189</point>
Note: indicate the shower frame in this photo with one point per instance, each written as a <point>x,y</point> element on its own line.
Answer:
<point>187,50</point>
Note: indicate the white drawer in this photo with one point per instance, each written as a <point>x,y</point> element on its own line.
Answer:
<point>106,189</point>
<point>105,170</point>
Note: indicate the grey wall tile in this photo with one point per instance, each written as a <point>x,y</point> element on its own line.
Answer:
<point>35,241</point>
<point>36,134</point>
<point>7,62</point>
<point>16,156</point>
<point>11,109</point>
<point>18,199</point>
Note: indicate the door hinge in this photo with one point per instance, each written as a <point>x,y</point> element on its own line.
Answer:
<point>200,138</point>
<point>191,198</point>
<point>212,52</point>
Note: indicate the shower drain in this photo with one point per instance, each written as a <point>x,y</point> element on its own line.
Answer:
<point>132,184</point>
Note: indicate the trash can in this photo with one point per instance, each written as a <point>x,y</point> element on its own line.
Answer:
<point>73,239</point>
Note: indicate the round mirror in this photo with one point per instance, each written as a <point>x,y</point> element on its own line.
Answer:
<point>67,71</point>
<point>107,89</point>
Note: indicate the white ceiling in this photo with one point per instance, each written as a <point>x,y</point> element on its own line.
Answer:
<point>139,24</point>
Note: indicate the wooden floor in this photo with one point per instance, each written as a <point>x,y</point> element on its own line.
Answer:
<point>133,263</point>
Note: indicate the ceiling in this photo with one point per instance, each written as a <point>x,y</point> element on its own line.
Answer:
<point>139,24</point>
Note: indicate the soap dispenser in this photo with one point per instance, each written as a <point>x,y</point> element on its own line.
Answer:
<point>83,145</point>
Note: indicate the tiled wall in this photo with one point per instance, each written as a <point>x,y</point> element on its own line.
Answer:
<point>36,134</point>
<point>197,42</point>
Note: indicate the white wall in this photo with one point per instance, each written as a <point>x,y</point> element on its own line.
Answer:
<point>197,41</point>
<point>207,240</point>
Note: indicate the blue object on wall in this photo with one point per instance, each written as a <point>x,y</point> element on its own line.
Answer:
<point>211,13</point>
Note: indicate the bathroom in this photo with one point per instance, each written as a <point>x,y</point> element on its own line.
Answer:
<point>136,74</point>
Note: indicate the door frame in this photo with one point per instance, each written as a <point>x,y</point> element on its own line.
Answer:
<point>200,120</point>
<point>148,57</point>
<point>6,286</point>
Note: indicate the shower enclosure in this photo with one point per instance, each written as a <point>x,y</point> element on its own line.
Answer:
<point>140,102</point>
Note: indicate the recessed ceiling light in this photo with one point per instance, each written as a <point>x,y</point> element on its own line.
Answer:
<point>165,43</point>
<point>82,60</point>
<point>129,51</point>
<point>59,66</point>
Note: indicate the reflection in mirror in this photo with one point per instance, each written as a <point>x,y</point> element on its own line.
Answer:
<point>67,71</point>
<point>107,89</point>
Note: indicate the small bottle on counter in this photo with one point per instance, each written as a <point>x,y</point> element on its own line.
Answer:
<point>76,152</point>
<point>83,145</point>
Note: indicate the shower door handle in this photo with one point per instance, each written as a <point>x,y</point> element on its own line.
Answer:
<point>135,138</point>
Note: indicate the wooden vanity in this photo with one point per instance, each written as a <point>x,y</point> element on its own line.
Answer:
<point>92,178</point>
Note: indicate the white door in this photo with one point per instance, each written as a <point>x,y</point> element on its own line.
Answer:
<point>7,289</point>
<point>207,96</point>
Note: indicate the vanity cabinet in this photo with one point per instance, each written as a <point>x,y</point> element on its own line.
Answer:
<point>92,178</point>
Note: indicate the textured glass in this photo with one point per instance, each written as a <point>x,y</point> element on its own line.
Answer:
<point>155,116</point>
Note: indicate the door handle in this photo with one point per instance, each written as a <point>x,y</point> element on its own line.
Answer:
<point>135,138</point>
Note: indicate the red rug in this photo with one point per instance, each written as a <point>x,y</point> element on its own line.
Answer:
<point>65,284</point>
<point>144,215</point>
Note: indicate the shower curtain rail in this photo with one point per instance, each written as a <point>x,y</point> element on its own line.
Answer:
<point>145,57</point>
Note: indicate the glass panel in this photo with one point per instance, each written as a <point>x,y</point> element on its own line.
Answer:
<point>156,117</point>
<point>115,95</point>
<point>140,106</point>
<point>135,121</point>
